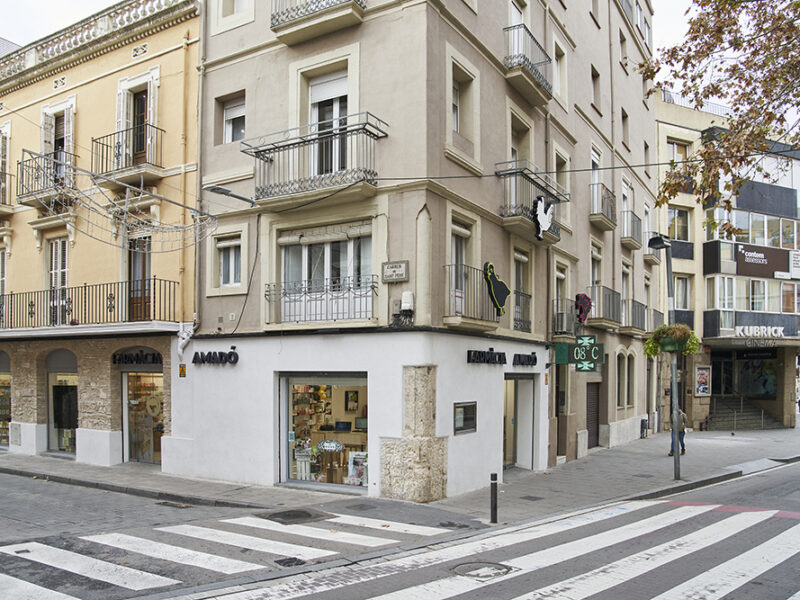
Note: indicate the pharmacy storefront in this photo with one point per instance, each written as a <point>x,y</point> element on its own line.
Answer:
<point>386,414</point>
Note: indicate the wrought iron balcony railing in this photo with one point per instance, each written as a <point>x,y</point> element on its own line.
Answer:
<point>284,11</point>
<point>5,197</point>
<point>631,226</point>
<point>336,299</point>
<point>97,304</point>
<point>634,315</point>
<point>139,145</point>
<point>604,202</point>
<point>522,50</point>
<point>529,181</point>
<point>655,319</point>
<point>41,173</point>
<point>467,295</point>
<point>606,303</point>
<point>522,311</point>
<point>324,154</point>
<point>564,316</point>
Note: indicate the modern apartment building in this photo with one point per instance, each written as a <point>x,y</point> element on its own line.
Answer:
<point>741,295</point>
<point>412,195</point>
<point>97,167</point>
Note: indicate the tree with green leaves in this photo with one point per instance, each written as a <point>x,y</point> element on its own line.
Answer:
<point>745,54</point>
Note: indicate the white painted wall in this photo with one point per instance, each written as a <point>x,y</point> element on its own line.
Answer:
<point>225,418</point>
<point>98,447</point>
<point>32,438</point>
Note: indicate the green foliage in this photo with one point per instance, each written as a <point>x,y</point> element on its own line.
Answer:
<point>678,332</point>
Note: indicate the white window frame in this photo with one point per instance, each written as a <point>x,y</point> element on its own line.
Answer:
<point>229,252</point>
<point>220,22</point>
<point>231,110</point>
<point>683,301</point>
<point>469,113</point>
<point>226,234</point>
<point>5,163</point>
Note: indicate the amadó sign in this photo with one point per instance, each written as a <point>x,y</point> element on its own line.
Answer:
<point>216,358</point>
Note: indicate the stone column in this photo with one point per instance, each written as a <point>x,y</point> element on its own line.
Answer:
<point>414,467</point>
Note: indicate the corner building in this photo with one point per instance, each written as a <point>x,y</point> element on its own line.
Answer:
<point>740,295</point>
<point>398,171</point>
<point>97,144</point>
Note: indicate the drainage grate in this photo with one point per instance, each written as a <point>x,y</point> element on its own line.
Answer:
<point>531,498</point>
<point>482,571</point>
<point>174,504</point>
<point>290,562</point>
<point>295,516</point>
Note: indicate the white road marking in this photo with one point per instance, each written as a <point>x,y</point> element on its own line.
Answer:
<point>453,586</point>
<point>312,532</point>
<point>630,567</point>
<point>730,575</point>
<point>23,590</point>
<point>392,526</point>
<point>175,554</point>
<point>338,579</point>
<point>86,566</point>
<point>247,541</point>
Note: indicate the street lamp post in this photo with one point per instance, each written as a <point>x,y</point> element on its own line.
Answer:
<point>223,191</point>
<point>658,242</point>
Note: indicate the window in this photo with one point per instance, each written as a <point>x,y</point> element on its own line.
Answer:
<point>4,172</point>
<point>741,221</point>
<point>561,211</point>
<point>631,380</point>
<point>456,106</point>
<point>758,293</point>
<point>788,297</point>
<point>595,89</point>
<point>625,294</point>
<point>462,101</point>
<point>623,50</point>
<point>234,120</point>
<point>625,127</point>
<point>137,114</point>
<point>682,293</point>
<point>773,231</point>
<point>232,7</point>
<point>787,234</point>
<point>597,192</point>
<point>229,252</point>
<point>596,274</point>
<point>678,228</point>
<point>774,296</point>
<point>646,33</point>
<point>593,7</point>
<point>522,296</point>
<point>559,71</point>
<point>621,387</point>
<point>458,251</point>
<point>328,115</point>
<point>58,267</point>
<point>677,151</point>
<point>758,224</point>
<point>465,417</point>
<point>742,294</point>
<point>646,159</point>
<point>2,272</point>
<point>638,15</point>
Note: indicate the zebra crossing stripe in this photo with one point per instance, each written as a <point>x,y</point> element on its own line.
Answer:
<point>730,575</point>
<point>86,566</point>
<point>22,590</point>
<point>500,539</point>
<point>391,526</point>
<point>171,553</point>
<point>453,586</point>
<point>247,541</point>
<point>628,568</point>
<point>312,532</point>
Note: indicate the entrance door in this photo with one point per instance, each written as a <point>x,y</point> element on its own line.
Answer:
<point>63,417</point>
<point>139,133</point>
<point>139,279</point>
<point>510,425</point>
<point>593,413</point>
<point>145,399</point>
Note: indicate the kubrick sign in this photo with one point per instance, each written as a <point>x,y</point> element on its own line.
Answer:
<point>760,331</point>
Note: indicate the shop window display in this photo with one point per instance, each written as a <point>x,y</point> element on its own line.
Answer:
<point>328,436</point>
<point>145,416</point>
<point>5,407</point>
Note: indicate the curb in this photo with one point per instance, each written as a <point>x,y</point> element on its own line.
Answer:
<point>685,487</point>
<point>134,491</point>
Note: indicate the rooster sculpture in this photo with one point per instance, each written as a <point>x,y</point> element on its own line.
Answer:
<point>498,290</point>
<point>543,215</point>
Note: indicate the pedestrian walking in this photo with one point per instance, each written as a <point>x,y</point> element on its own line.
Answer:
<point>681,433</point>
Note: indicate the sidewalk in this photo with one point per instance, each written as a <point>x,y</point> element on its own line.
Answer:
<point>636,470</point>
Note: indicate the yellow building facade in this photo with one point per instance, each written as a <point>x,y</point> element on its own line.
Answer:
<point>98,156</point>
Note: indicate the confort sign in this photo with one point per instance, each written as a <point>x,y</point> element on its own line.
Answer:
<point>758,331</point>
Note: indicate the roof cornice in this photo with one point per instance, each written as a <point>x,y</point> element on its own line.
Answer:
<point>125,22</point>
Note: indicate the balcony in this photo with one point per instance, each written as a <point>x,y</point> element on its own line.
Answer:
<point>564,320</point>
<point>631,235</point>
<point>132,156</point>
<point>655,318</point>
<point>522,312</point>
<point>310,162</point>
<point>97,304</point>
<point>45,180</point>
<point>530,197</point>
<point>468,303</point>
<point>604,207</point>
<point>652,256</point>
<point>295,21</point>
<point>315,300</point>
<point>606,308</point>
<point>528,67</point>
<point>6,208</point>
<point>633,319</point>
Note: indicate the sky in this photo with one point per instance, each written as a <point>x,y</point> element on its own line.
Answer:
<point>39,18</point>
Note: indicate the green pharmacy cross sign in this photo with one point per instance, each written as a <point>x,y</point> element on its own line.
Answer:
<point>586,354</point>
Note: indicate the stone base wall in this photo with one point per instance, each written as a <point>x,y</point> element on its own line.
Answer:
<point>414,467</point>
<point>99,390</point>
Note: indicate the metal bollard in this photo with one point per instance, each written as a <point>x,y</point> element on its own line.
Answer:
<point>493,498</point>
